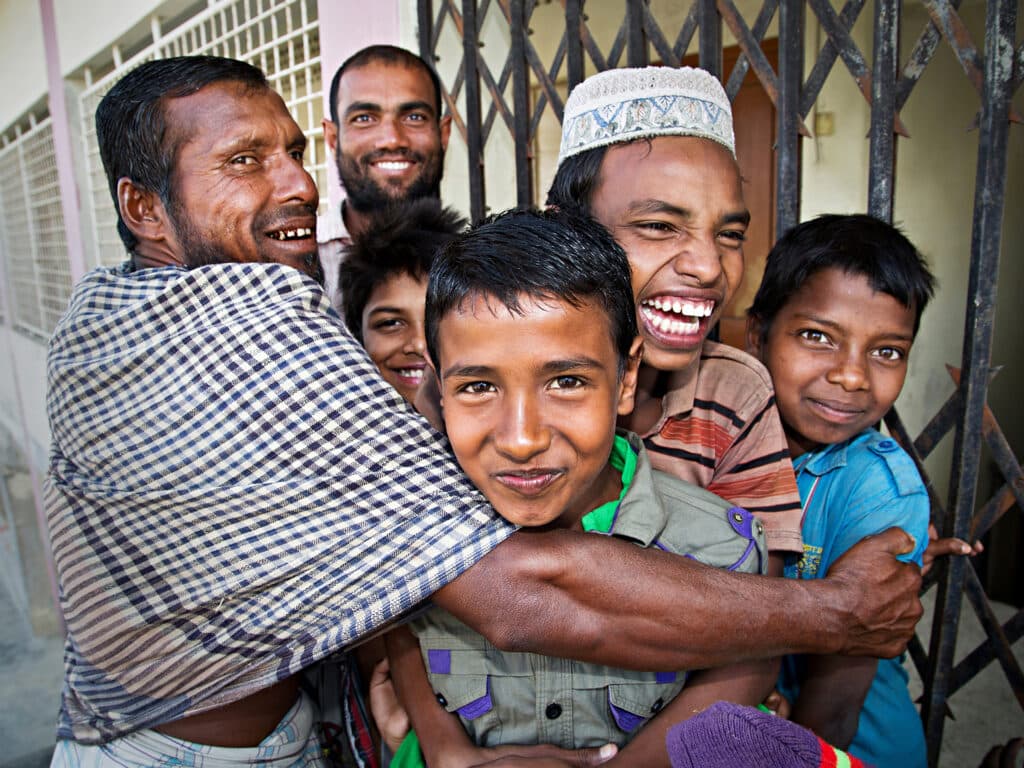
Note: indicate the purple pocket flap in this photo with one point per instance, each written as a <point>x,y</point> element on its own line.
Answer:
<point>665,677</point>
<point>439,661</point>
<point>626,720</point>
<point>741,521</point>
<point>481,706</point>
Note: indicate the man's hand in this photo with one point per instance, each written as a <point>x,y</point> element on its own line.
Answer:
<point>388,713</point>
<point>878,594</point>
<point>941,547</point>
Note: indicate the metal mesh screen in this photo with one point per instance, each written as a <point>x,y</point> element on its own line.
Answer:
<point>32,239</point>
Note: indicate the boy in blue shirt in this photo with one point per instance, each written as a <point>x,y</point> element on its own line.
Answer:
<point>834,321</point>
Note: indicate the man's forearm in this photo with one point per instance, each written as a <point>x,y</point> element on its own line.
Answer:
<point>598,599</point>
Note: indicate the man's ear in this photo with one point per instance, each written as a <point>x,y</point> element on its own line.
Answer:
<point>627,388</point>
<point>330,135</point>
<point>142,211</point>
<point>754,335</point>
<point>445,124</point>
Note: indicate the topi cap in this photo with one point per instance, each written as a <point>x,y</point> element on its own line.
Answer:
<point>621,105</point>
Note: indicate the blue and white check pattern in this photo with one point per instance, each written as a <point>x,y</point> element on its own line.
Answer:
<point>234,493</point>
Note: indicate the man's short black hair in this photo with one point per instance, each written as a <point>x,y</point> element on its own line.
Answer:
<point>577,178</point>
<point>389,54</point>
<point>858,244</point>
<point>401,240</point>
<point>131,121</point>
<point>559,254</point>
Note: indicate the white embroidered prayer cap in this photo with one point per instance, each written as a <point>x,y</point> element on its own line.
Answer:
<point>621,105</point>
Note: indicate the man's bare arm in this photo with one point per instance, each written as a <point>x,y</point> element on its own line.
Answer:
<point>597,599</point>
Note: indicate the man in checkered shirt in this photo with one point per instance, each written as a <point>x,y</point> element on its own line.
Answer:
<point>235,494</point>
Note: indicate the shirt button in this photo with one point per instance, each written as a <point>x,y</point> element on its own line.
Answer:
<point>442,700</point>
<point>657,705</point>
<point>887,445</point>
<point>553,711</point>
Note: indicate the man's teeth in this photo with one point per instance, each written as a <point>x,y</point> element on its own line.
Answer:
<point>393,165</point>
<point>411,373</point>
<point>666,325</point>
<point>292,234</point>
<point>682,306</point>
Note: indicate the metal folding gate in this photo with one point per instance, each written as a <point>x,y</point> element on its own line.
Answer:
<point>995,72</point>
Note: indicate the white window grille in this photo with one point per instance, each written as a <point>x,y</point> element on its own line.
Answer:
<point>32,240</point>
<point>278,36</point>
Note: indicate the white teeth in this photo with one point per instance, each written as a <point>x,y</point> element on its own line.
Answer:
<point>292,234</point>
<point>393,165</point>
<point>411,373</point>
<point>686,307</point>
<point>670,325</point>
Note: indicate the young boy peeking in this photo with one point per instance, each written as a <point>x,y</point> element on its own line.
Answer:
<point>383,282</point>
<point>833,321</point>
<point>532,332</point>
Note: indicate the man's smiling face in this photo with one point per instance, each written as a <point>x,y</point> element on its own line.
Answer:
<point>239,192</point>
<point>390,141</point>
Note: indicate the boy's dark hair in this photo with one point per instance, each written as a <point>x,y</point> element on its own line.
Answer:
<point>576,180</point>
<point>402,239</point>
<point>131,123</point>
<point>556,254</point>
<point>858,244</point>
<point>389,54</point>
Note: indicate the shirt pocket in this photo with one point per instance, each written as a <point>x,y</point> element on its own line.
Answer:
<point>462,685</point>
<point>631,704</point>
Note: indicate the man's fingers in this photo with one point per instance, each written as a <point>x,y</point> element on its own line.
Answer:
<point>895,541</point>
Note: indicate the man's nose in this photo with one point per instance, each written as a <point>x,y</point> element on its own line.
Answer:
<point>390,134</point>
<point>698,257</point>
<point>293,183</point>
<point>522,433</point>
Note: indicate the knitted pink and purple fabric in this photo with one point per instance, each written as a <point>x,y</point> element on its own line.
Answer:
<point>733,736</point>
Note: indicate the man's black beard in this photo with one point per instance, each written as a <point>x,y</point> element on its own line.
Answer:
<point>198,251</point>
<point>367,196</point>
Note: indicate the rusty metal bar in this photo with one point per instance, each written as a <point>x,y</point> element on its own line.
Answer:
<point>474,143</point>
<point>787,148</point>
<point>758,31</point>
<point>618,45</point>
<point>686,34</point>
<point>709,36</point>
<point>542,100</point>
<point>882,147</point>
<point>827,57</point>
<point>657,38</point>
<point>920,55</point>
<point>982,656</point>
<point>425,25</point>
<point>990,187</point>
<point>998,642</point>
<point>521,104</point>
<point>574,41</point>
<point>636,41</point>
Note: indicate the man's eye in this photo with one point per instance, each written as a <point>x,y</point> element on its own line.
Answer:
<point>244,160</point>
<point>417,117</point>
<point>386,324</point>
<point>567,382</point>
<point>810,334</point>
<point>298,155</point>
<point>735,235</point>
<point>655,226</point>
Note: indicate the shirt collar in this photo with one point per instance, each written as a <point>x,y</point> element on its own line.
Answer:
<point>823,460</point>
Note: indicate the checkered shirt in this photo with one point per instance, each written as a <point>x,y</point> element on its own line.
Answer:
<point>234,493</point>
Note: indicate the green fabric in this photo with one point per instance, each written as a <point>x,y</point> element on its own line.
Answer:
<point>623,459</point>
<point>409,754</point>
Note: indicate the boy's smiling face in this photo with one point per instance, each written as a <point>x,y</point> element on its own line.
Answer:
<point>393,332</point>
<point>530,402</point>
<point>675,205</point>
<point>837,352</point>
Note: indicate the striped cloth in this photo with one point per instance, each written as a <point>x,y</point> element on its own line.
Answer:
<point>721,431</point>
<point>233,492</point>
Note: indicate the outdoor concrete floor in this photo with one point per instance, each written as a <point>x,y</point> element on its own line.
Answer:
<point>986,711</point>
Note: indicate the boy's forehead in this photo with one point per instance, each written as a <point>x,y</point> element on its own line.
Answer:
<point>556,319</point>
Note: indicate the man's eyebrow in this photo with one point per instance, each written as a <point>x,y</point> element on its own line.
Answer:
<point>362,106</point>
<point>737,217</point>
<point>412,106</point>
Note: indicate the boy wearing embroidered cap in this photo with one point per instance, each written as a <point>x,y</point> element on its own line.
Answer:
<point>834,321</point>
<point>532,424</point>
<point>649,153</point>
